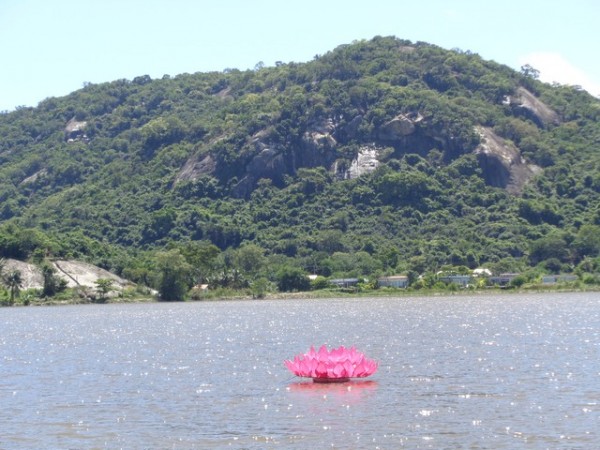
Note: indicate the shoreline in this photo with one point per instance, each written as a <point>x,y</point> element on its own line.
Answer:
<point>323,294</point>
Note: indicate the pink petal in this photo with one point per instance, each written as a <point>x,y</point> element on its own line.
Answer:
<point>359,370</point>
<point>348,369</point>
<point>321,370</point>
<point>339,371</point>
<point>338,362</point>
<point>323,353</point>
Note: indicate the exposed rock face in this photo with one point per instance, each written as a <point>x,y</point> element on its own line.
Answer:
<point>75,273</point>
<point>266,163</point>
<point>78,273</point>
<point>34,177</point>
<point>528,105</point>
<point>75,131</point>
<point>408,132</point>
<point>224,93</point>
<point>414,133</point>
<point>194,168</point>
<point>365,162</point>
<point>351,127</point>
<point>317,148</point>
<point>319,140</point>
<point>502,163</point>
<point>399,127</point>
<point>30,274</point>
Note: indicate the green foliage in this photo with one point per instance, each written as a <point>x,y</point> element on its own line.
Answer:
<point>250,260</point>
<point>291,279</point>
<point>587,242</point>
<point>104,286</point>
<point>319,283</point>
<point>406,188</point>
<point>53,284</point>
<point>259,287</point>
<point>20,243</point>
<point>201,256</point>
<point>159,132</point>
<point>14,282</point>
<point>237,177</point>
<point>549,248</point>
<point>174,278</point>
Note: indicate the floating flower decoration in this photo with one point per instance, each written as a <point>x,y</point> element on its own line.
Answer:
<point>339,364</point>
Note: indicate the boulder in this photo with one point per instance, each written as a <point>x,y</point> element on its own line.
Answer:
<point>502,163</point>
<point>319,136</point>
<point>269,163</point>
<point>397,128</point>
<point>75,131</point>
<point>31,275</point>
<point>351,127</point>
<point>525,104</point>
<point>75,273</point>
<point>317,147</point>
<point>78,273</point>
<point>195,167</point>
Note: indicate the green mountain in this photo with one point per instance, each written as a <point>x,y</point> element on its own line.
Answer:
<point>381,156</point>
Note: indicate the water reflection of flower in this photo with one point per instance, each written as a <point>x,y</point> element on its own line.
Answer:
<point>349,392</point>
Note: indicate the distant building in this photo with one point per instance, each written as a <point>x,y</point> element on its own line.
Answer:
<point>503,279</point>
<point>344,282</point>
<point>397,281</point>
<point>552,279</point>
<point>461,280</point>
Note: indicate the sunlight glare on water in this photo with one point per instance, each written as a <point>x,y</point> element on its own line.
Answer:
<point>513,371</point>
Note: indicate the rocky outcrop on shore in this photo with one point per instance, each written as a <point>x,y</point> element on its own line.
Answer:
<point>75,273</point>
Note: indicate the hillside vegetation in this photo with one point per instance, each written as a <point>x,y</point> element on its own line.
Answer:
<point>379,157</point>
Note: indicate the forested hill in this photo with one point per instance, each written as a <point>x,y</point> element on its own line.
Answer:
<point>381,156</point>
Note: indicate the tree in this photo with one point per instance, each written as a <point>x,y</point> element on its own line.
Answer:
<point>292,279</point>
<point>250,259</point>
<point>228,273</point>
<point>406,187</point>
<point>14,282</point>
<point>587,241</point>
<point>330,241</point>
<point>161,131</point>
<point>319,283</point>
<point>530,71</point>
<point>53,284</point>
<point>259,287</point>
<point>201,255</point>
<point>174,275</point>
<point>548,247</point>
<point>104,286</point>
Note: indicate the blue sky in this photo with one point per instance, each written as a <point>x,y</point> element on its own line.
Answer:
<point>52,47</point>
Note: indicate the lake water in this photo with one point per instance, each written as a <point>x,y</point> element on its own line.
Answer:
<point>478,372</point>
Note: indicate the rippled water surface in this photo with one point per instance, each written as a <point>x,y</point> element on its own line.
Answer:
<point>488,372</point>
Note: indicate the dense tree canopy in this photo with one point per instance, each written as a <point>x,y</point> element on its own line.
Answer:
<point>239,176</point>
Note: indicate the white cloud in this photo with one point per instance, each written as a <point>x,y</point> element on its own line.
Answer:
<point>554,67</point>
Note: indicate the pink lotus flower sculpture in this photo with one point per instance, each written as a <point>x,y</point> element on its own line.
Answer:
<point>339,364</point>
